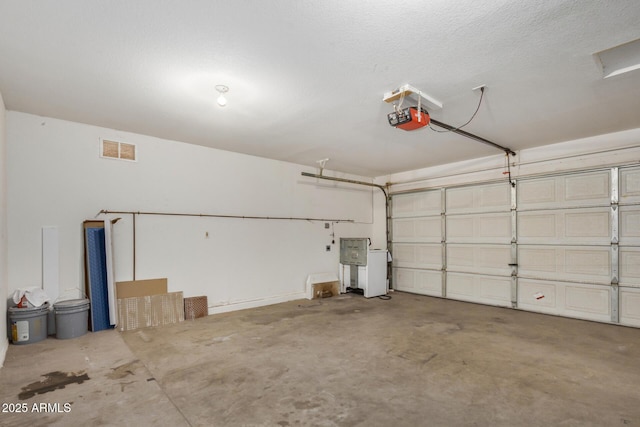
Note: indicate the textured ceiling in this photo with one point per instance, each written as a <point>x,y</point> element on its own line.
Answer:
<point>307,78</point>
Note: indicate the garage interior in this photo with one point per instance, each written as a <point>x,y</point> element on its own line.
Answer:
<point>232,151</point>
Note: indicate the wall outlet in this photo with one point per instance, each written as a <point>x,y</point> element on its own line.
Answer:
<point>328,248</point>
<point>326,225</point>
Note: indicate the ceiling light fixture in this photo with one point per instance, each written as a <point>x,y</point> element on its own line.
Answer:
<point>222,101</point>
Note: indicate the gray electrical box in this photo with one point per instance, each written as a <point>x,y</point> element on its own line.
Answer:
<point>353,251</point>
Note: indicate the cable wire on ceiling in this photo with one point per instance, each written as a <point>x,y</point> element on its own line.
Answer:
<point>468,121</point>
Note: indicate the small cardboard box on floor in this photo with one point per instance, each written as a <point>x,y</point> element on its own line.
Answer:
<point>144,303</point>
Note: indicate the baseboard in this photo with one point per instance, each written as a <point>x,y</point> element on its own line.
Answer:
<point>241,305</point>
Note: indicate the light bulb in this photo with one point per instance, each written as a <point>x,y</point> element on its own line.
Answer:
<point>222,89</point>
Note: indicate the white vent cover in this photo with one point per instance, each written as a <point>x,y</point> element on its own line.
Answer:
<point>118,150</point>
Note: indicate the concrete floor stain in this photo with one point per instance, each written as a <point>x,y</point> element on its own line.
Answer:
<point>53,381</point>
<point>306,404</point>
<point>123,370</point>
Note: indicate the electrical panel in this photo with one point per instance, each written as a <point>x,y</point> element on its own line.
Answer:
<point>353,251</point>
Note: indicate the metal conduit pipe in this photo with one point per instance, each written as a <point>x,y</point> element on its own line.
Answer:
<point>368,184</point>
<point>134,213</point>
<point>104,211</point>
<point>350,181</point>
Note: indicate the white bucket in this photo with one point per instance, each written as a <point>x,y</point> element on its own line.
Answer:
<point>72,318</point>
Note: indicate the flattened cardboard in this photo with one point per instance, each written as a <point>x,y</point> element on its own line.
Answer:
<point>150,310</point>
<point>141,288</point>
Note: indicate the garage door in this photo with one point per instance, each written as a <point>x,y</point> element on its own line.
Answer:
<point>566,244</point>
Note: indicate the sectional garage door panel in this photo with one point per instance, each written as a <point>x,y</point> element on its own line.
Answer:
<point>417,255</point>
<point>479,228</point>
<point>479,259</point>
<point>590,264</point>
<point>479,198</point>
<point>586,226</point>
<point>491,290</point>
<point>417,204</point>
<point>422,229</point>
<point>425,282</point>
<point>630,225</point>
<point>582,301</point>
<point>563,191</point>
<point>630,266</point>
<point>630,306</point>
<point>537,295</point>
<point>629,185</point>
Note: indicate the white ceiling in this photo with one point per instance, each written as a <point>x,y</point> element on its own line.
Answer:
<point>307,77</point>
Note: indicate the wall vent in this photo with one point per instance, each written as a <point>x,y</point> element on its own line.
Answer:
<point>118,150</point>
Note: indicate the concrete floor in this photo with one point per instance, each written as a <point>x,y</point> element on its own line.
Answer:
<point>341,361</point>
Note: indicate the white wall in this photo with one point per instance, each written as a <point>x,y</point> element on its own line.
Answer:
<point>56,178</point>
<point>4,277</point>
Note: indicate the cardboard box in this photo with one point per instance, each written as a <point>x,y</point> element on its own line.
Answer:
<point>141,288</point>
<point>150,310</point>
<point>321,279</point>
<point>326,289</point>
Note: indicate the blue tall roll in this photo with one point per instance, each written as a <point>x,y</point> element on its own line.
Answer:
<point>97,275</point>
